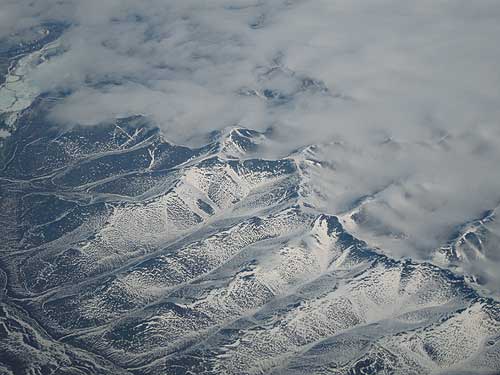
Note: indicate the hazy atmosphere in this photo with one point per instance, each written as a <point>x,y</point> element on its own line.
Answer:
<point>410,90</point>
<point>399,99</point>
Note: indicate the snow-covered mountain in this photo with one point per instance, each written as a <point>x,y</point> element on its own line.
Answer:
<point>328,231</point>
<point>126,253</point>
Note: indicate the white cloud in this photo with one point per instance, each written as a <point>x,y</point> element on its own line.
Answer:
<point>423,74</point>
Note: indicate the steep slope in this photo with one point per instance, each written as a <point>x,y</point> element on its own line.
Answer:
<point>168,259</point>
<point>474,251</point>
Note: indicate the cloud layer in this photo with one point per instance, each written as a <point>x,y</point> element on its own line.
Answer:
<point>411,91</point>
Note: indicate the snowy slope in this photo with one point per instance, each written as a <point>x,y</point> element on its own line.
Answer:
<point>165,259</point>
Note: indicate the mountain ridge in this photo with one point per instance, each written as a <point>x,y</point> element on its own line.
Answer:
<point>214,261</point>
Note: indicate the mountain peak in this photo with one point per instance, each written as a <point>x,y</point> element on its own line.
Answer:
<point>235,142</point>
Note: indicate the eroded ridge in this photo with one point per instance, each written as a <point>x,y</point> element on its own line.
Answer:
<point>160,258</point>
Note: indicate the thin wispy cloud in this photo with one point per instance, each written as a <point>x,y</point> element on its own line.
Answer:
<point>409,93</point>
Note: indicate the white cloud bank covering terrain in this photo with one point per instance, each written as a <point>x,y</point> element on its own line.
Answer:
<point>404,96</point>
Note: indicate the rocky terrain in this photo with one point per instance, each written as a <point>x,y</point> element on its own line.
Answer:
<point>122,252</point>
<point>126,253</point>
